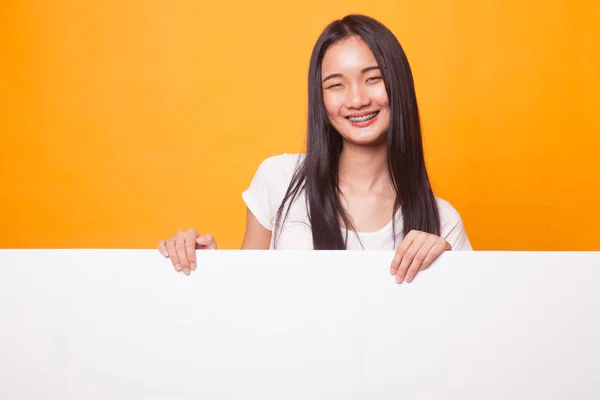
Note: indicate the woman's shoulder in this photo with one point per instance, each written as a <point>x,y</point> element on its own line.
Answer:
<point>281,166</point>
<point>275,173</point>
<point>446,210</point>
<point>268,186</point>
<point>283,161</point>
<point>452,227</point>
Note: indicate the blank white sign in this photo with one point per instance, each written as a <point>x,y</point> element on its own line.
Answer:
<point>122,324</point>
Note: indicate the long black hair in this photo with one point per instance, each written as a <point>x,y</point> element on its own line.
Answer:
<point>318,173</point>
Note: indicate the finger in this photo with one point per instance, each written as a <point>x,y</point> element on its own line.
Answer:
<point>201,240</point>
<point>181,253</point>
<point>407,260</point>
<point>400,251</point>
<point>408,257</point>
<point>162,248</point>
<point>190,247</point>
<point>433,254</point>
<point>417,262</point>
<point>173,254</point>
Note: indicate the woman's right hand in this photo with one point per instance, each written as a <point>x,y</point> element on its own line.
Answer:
<point>181,249</point>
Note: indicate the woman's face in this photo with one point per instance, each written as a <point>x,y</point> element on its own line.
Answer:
<point>354,92</point>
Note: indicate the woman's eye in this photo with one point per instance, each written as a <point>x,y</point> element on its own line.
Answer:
<point>335,86</point>
<point>374,79</point>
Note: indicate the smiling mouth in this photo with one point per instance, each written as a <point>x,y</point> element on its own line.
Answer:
<point>363,118</point>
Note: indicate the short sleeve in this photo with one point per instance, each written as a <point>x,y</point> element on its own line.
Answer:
<point>452,227</point>
<point>268,186</point>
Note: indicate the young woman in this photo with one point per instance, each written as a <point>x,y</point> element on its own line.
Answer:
<point>362,183</point>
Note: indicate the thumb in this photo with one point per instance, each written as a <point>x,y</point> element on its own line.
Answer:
<point>206,241</point>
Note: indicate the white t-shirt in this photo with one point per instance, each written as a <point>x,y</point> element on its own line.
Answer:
<point>268,187</point>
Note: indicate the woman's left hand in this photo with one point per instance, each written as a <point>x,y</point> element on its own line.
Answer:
<point>416,252</point>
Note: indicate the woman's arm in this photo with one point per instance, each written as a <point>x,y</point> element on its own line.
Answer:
<point>257,237</point>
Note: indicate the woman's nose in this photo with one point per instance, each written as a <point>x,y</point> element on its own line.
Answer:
<point>358,97</point>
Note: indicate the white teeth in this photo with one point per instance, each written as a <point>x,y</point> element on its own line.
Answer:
<point>363,118</point>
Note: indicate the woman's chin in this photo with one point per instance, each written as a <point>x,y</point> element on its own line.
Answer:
<point>365,138</point>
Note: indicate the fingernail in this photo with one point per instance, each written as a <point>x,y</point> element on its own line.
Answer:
<point>392,272</point>
<point>398,279</point>
<point>193,266</point>
<point>186,271</point>
<point>177,267</point>
<point>408,279</point>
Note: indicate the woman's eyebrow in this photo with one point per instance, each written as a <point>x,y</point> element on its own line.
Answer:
<point>338,75</point>
<point>369,69</point>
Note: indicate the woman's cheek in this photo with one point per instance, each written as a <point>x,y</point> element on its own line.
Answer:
<point>381,96</point>
<point>332,106</point>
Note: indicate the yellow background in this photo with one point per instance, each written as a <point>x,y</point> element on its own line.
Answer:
<point>123,121</point>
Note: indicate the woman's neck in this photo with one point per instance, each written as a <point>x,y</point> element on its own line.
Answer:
<point>364,168</point>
